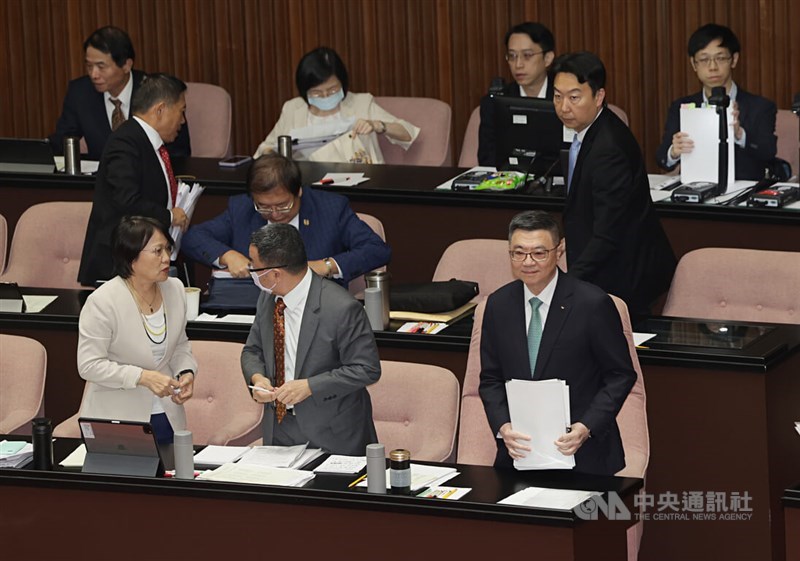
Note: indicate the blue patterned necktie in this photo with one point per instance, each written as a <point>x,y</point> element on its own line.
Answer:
<point>574,148</point>
<point>534,332</point>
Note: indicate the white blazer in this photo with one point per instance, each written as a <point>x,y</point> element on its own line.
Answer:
<point>113,349</point>
<point>294,115</point>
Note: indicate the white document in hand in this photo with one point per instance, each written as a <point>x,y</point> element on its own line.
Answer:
<point>702,125</point>
<point>540,409</point>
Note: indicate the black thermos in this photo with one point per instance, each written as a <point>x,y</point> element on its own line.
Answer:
<point>42,443</point>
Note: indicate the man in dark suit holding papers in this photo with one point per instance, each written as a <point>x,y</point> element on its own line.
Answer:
<point>548,325</point>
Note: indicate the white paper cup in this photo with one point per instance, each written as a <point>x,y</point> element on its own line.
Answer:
<point>192,303</point>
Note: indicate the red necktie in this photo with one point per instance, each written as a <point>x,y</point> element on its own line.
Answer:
<point>173,184</point>
<point>278,338</point>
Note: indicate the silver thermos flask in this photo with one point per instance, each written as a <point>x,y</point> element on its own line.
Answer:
<point>285,146</point>
<point>72,155</point>
<point>378,280</point>
<point>184,454</point>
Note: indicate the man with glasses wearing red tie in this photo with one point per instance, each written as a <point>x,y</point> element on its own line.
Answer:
<point>547,325</point>
<point>713,54</point>
<point>340,246</point>
<point>310,354</point>
<point>135,175</point>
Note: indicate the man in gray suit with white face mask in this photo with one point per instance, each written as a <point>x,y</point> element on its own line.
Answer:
<point>310,353</point>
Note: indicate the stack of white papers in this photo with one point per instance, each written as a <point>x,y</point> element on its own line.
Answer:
<point>280,456</point>
<point>423,476</point>
<point>540,409</point>
<point>76,458</point>
<point>553,499</point>
<point>15,453</point>
<point>186,200</point>
<point>213,455</point>
<point>258,475</point>
<point>342,179</point>
<point>228,318</point>
<point>35,303</point>
<point>702,125</point>
<point>342,464</point>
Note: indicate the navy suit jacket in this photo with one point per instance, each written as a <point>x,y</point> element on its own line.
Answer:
<point>757,118</point>
<point>328,226</point>
<point>614,237</point>
<point>486,131</point>
<point>582,343</point>
<point>129,182</point>
<point>84,115</point>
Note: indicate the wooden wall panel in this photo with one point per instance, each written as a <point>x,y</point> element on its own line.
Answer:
<point>446,49</point>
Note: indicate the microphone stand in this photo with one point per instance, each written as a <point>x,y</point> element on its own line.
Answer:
<point>721,100</point>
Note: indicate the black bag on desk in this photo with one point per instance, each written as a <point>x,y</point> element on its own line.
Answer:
<point>432,297</point>
<point>231,295</point>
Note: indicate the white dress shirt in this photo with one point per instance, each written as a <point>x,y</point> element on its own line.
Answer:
<point>124,96</point>
<point>546,296</point>
<point>295,301</point>
<point>542,92</point>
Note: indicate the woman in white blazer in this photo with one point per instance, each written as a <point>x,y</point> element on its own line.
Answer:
<point>325,102</point>
<point>132,345</point>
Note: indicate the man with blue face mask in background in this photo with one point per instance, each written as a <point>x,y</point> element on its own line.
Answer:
<point>310,353</point>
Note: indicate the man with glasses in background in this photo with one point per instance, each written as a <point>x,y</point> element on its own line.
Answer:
<point>547,325</point>
<point>713,54</point>
<point>529,53</point>
<point>340,246</point>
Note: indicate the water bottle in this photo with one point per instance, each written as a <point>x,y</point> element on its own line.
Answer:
<point>42,443</point>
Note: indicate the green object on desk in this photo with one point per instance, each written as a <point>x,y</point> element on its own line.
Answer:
<point>502,181</point>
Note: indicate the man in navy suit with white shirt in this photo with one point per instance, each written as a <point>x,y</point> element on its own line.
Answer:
<point>340,246</point>
<point>98,103</point>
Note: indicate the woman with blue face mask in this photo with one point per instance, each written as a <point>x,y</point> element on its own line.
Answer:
<point>326,105</point>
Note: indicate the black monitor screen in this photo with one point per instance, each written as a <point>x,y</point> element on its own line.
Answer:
<point>524,125</point>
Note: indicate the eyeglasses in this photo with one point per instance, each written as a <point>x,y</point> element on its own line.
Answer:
<point>719,60</point>
<point>537,254</point>
<point>512,56</point>
<point>158,250</point>
<point>273,209</point>
<point>316,94</point>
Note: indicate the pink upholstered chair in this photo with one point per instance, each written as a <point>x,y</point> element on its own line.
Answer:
<point>620,112</point>
<point>23,364</point>
<point>469,148</point>
<point>209,114</point>
<point>358,284</point>
<point>47,245</point>
<point>3,242</point>
<point>786,125</point>
<point>480,260</point>
<point>415,406</point>
<point>728,284</point>
<point>433,117</point>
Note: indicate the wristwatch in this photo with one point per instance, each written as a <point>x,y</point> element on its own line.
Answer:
<point>329,265</point>
<point>383,127</point>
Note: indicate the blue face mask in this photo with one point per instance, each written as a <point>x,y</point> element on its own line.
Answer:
<point>327,103</point>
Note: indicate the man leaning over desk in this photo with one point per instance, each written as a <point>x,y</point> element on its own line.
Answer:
<point>548,325</point>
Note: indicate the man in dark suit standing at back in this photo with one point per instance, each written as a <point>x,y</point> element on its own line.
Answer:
<point>614,238</point>
<point>135,175</point>
<point>713,54</point>
<point>529,52</point>
<point>98,103</point>
<point>546,325</point>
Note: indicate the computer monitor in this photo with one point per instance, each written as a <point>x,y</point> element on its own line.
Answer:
<point>26,155</point>
<point>524,125</point>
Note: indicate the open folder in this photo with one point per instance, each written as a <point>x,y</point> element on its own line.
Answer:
<point>540,409</point>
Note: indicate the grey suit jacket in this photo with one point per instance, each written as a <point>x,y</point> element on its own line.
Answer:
<point>336,353</point>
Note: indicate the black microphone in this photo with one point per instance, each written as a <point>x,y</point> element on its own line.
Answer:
<point>720,98</point>
<point>497,86</point>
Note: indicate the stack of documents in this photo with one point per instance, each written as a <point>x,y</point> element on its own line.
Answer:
<point>342,464</point>
<point>441,317</point>
<point>280,456</point>
<point>553,499</point>
<point>186,200</point>
<point>258,475</point>
<point>15,453</point>
<point>425,327</point>
<point>540,409</point>
<point>213,455</point>
<point>423,476</point>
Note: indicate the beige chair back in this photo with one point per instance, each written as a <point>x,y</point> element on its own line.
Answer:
<point>620,112</point>
<point>415,406</point>
<point>480,260</point>
<point>23,366</point>
<point>47,245</point>
<point>433,117</point>
<point>786,124</point>
<point>469,148</point>
<point>729,284</point>
<point>209,114</point>
<point>358,284</point>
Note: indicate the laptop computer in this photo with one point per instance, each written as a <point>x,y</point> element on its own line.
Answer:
<point>26,155</point>
<point>122,448</point>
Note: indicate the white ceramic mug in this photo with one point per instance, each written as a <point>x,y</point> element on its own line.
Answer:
<point>192,303</point>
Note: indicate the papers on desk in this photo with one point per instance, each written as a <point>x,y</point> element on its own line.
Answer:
<point>797,426</point>
<point>441,317</point>
<point>186,200</point>
<point>422,327</point>
<point>540,409</point>
<point>342,464</point>
<point>213,455</point>
<point>552,499</point>
<point>88,167</point>
<point>640,338</point>
<point>422,476</point>
<point>76,458</point>
<point>343,179</point>
<point>448,185</point>
<point>449,493</point>
<point>227,318</point>
<point>35,303</point>
<point>702,125</point>
<point>258,475</point>
<point>15,453</point>
<point>280,456</point>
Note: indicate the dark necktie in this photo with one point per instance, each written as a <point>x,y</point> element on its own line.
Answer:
<point>173,184</point>
<point>117,116</point>
<point>278,342</point>
<point>534,333</point>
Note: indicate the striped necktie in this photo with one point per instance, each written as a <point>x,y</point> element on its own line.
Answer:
<point>117,116</point>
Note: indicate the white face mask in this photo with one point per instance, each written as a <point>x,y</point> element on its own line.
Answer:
<point>327,103</point>
<point>256,276</point>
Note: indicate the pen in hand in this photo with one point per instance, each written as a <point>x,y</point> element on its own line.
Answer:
<point>260,389</point>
